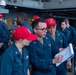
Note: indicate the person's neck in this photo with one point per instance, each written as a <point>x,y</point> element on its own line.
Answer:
<point>23,22</point>
<point>68,25</point>
<point>53,36</point>
<point>19,46</point>
<point>40,39</point>
<point>52,33</point>
<point>63,29</point>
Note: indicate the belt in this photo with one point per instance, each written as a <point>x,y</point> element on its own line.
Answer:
<point>41,70</point>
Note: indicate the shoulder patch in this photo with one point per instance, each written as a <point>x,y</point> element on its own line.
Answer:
<point>58,34</point>
<point>27,57</point>
<point>61,41</point>
<point>34,42</point>
<point>46,38</point>
<point>49,44</point>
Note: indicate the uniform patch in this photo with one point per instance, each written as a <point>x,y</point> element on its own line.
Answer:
<point>16,52</point>
<point>49,44</point>
<point>58,34</point>
<point>61,41</point>
<point>27,57</point>
<point>46,38</point>
<point>34,42</point>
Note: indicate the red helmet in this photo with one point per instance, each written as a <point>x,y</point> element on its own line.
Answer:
<point>50,22</point>
<point>1,15</point>
<point>35,17</point>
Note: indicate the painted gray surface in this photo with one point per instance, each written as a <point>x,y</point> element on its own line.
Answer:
<point>3,10</point>
<point>40,4</point>
<point>12,15</point>
<point>57,4</point>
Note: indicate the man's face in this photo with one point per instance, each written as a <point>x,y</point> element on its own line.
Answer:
<point>41,29</point>
<point>67,24</point>
<point>52,30</point>
<point>19,20</point>
<point>63,25</point>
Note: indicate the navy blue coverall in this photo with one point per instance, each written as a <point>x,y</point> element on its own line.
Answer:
<point>72,34</point>
<point>72,38</point>
<point>5,28</point>
<point>60,42</point>
<point>41,57</point>
<point>3,39</point>
<point>74,43</point>
<point>25,24</point>
<point>66,33</point>
<point>13,63</point>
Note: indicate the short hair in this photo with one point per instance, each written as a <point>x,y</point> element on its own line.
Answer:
<point>66,20</point>
<point>22,15</point>
<point>63,21</point>
<point>35,23</point>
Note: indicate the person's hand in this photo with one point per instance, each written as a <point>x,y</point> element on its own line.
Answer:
<point>69,64</point>
<point>28,72</point>
<point>57,59</point>
<point>9,43</point>
<point>1,44</point>
<point>61,49</point>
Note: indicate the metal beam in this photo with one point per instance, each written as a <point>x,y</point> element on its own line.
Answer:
<point>3,10</point>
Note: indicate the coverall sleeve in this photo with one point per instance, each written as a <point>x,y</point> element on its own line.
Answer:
<point>73,35</point>
<point>6,65</point>
<point>65,43</point>
<point>67,35</point>
<point>3,36</point>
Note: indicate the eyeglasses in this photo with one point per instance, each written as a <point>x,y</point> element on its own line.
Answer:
<point>43,29</point>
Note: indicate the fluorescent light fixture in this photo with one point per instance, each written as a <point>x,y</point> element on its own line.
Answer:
<point>2,3</point>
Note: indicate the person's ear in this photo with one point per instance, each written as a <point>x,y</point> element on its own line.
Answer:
<point>20,40</point>
<point>35,30</point>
